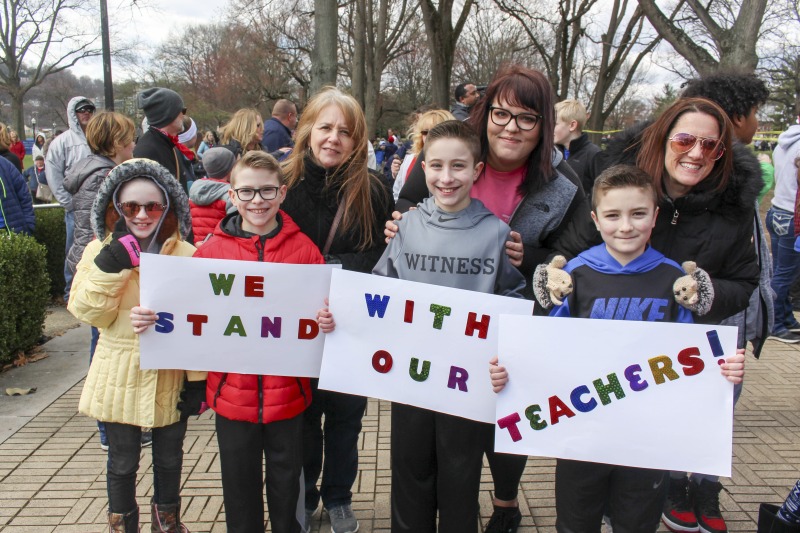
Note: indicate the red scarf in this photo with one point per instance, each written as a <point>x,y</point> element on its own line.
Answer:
<point>174,138</point>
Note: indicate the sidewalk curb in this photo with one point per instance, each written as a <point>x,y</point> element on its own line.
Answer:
<point>66,365</point>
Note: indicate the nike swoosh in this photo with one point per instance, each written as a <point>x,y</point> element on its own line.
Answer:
<point>657,484</point>
<point>448,219</point>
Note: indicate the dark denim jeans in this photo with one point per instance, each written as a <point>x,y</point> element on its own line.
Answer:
<point>125,447</point>
<point>785,264</point>
<point>101,427</point>
<point>343,414</point>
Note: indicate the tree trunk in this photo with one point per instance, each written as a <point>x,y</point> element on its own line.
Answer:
<point>324,57</point>
<point>17,112</point>
<point>442,37</point>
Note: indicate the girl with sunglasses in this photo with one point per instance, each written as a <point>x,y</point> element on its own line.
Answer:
<point>707,190</point>
<point>140,208</point>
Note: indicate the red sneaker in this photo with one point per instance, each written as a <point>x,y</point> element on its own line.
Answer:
<point>678,515</point>
<point>705,497</point>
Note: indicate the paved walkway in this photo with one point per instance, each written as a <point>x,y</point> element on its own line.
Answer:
<point>52,470</point>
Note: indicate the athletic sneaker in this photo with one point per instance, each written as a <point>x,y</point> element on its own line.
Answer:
<point>504,520</point>
<point>794,328</point>
<point>147,438</point>
<point>342,519</point>
<point>678,514</point>
<point>705,497</point>
<point>309,518</point>
<point>786,336</point>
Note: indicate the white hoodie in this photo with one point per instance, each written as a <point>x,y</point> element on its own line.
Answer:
<point>66,150</point>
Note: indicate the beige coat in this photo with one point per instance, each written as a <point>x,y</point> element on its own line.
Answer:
<point>116,389</point>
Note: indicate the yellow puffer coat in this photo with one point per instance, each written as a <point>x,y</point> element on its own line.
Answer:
<point>116,389</point>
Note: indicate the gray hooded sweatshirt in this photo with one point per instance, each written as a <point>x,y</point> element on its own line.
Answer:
<point>463,250</point>
<point>66,150</point>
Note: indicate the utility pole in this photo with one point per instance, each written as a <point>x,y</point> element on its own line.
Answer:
<point>107,83</point>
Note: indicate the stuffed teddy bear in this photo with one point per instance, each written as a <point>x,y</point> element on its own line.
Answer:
<point>694,291</point>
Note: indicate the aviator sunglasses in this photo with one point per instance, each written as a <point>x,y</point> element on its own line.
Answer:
<point>684,142</point>
<point>131,209</point>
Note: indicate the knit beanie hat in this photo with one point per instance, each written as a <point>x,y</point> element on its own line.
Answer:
<point>161,106</point>
<point>218,162</point>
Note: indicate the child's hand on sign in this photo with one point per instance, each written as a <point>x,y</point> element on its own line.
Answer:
<point>733,367</point>
<point>142,318</point>
<point>498,375</point>
<point>325,319</point>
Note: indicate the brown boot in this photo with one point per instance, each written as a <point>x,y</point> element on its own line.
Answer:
<point>124,523</point>
<point>167,518</point>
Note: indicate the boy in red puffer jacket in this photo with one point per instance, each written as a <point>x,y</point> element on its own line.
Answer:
<point>209,198</point>
<point>259,416</point>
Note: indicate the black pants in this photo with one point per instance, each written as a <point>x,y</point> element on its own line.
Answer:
<point>507,469</point>
<point>436,465</point>
<point>635,497</point>
<point>242,446</point>
<point>339,437</point>
<point>124,449</point>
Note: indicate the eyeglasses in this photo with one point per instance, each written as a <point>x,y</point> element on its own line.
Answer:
<point>685,142</point>
<point>131,209</point>
<point>246,194</point>
<point>525,121</point>
<point>85,109</point>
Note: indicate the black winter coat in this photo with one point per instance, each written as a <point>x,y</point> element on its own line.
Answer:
<point>581,154</point>
<point>714,229</point>
<point>156,146</point>
<point>312,204</point>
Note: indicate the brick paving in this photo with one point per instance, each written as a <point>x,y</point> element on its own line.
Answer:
<point>52,471</point>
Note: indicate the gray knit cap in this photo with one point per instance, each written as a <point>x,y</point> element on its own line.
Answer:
<point>161,106</point>
<point>218,162</point>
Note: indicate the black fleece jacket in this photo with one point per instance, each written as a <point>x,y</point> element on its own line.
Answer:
<point>312,204</point>
<point>714,229</point>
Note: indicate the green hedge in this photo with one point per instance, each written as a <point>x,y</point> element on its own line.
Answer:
<point>52,233</point>
<point>24,293</point>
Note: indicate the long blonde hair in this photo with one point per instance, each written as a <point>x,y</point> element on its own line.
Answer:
<point>242,127</point>
<point>425,122</point>
<point>357,184</point>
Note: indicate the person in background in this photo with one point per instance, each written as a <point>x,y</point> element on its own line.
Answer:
<point>466,95</point>
<point>278,129</point>
<point>16,147</point>
<point>5,143</point>
<point>61,155</point>
<point>208,198</point>
<point>207,143</point>
<point>243,132</point>
<point>768,173</point>
<point>111,139</point>
<point>575,145</point>
<point>191,163</point>
<point>35,174</point>
<point>38,146</point>
<point>164,111</point>
<point>16,205</point>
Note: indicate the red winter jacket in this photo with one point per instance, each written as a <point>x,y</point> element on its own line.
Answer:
<point>208,202</point>
<point>249,397</point>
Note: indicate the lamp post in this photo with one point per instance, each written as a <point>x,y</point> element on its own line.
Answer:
<point>33,127</point>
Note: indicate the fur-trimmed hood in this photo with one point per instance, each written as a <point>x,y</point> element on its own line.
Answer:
<point>104,213</point>
<point>739,195</point>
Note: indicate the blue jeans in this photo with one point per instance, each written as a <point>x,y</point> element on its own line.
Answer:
<point>69,222</point>
<point>785,264</point>
<point>339,439</point>
<point>125,447</point>
<point>92,347</point>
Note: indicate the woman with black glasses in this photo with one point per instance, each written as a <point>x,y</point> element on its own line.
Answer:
<point>526,184</point>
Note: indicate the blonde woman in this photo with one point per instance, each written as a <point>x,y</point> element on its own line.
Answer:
<point>327,174</point>
<point>243,132</point>
<point>5,145</point>
<point>419,130</point>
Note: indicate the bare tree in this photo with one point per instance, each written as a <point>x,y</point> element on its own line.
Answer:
<point>36,41</point>
<point>711,34</point>
<point>442,36</point>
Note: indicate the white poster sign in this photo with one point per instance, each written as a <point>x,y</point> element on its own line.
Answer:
<point>413,343</point>
<point>233,316</point>
<point>640,394</point>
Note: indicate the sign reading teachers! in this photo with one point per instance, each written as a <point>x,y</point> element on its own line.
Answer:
<point>233,316</point>
<point>642,394</point>
<point>413,343</point>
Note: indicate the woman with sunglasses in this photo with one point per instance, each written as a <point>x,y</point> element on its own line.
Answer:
<point>527,184</point>
<point>139,208</point>
<point>707,189</point>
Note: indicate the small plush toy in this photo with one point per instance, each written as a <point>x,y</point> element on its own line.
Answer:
<point>551,284</point>
<point>694,291</point>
